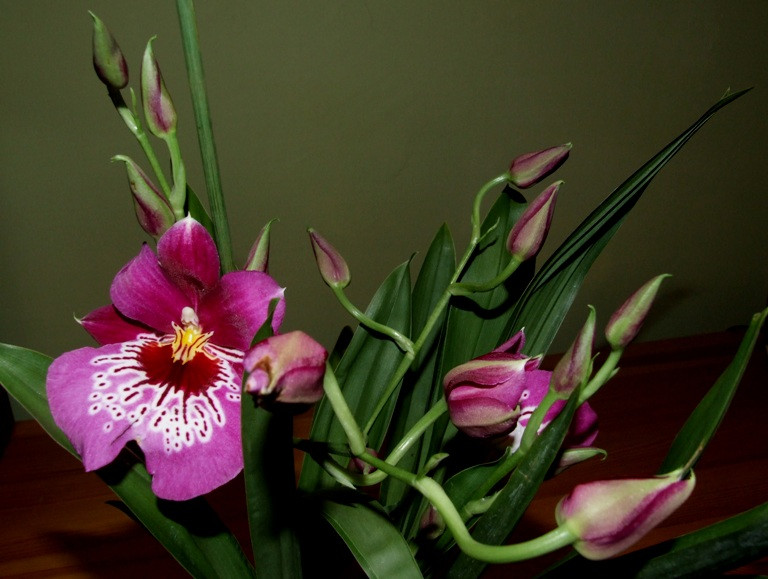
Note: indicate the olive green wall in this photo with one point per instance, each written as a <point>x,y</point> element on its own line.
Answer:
<point>375,122</point>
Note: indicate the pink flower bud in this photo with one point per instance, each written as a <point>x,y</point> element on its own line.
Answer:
<point>359,466</point>
<point>610,516</point>
<point>528,234</point>
<point>108,60</point>
<point>158,107</point>
<point>529,169</point>
<point>152,209</point>
<point>333,268</point>
<point>574,367</point>
<point>286,368</point>
<point>258,257</point>
<point>626,322</point>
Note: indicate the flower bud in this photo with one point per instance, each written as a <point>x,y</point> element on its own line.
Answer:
<point>431,524</point>
<point>574,367</point>
<point>529,169</point>
<point>333,268</point>
<point>626,322</point>
<point>152,209</point>
<point>359,466</point>
<point>108,60</point>
<point>158,107</point>
<point>610,516</point>
<point>528,234</point>
<point>286,368</point>
<point>258,257</point>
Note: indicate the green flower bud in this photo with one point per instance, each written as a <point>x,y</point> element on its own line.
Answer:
<point>108,60</point>
<point>158,107</point>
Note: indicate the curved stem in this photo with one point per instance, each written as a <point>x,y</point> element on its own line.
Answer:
<point>606,372</point>
<point>470,288</point>
<point>194,61</point>
<point>476,222</point>
<point>402,341</point>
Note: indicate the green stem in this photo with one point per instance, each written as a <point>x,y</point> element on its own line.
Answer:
<point>476,222</point>
<point>341,409</point>
<point>178,194</point>
<point>402,341</point>
<point>606,372</point>
<point>194,62</point>
<point>398,452</point>
<point>134,125</point>
<point>464,289</point>
<point>435,494</point>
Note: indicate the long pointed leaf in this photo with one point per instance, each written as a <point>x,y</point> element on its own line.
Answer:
<point>377,545</point>
<point>552,291</point>
<point>213,553</point>
<point>703,422</point>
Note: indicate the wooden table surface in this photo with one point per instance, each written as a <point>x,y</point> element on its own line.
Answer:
<point>57,521</point>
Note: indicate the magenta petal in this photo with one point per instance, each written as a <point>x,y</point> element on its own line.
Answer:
<point>107,326</point>
<point>239,306</point>
<point>198,468</point>
<point>142,292</point>
<point>86,406</point>
<point>188,256</point>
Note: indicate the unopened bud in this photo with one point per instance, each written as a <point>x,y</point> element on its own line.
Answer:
<point>529,169</point>
<point>574,367</point>
<point>258,257</point>
<point>158,107</point>
<point>528,234</point>
<point>333,268</point>
<point>626,322</point>
<point>152,209</point>
<point>108,60</point>
<point>610,516</point>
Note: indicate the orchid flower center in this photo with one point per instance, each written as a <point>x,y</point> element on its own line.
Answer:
<point>189,339</point>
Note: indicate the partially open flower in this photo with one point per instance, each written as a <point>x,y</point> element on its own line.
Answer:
<point>494,395</point>
<point>287,368</point>
<point>168,370</point>
<point>610,516</point>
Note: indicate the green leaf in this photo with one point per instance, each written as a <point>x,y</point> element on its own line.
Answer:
<point>549,296</point>
<point>497,523</point>
<point>704,420</point>
<point>417,392</point>
<point>363,374</point>
<point>707,552</point>
<point>376,544</point>
<point>213,552</point>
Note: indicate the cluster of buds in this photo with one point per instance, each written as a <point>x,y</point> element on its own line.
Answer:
<point>157,208</point>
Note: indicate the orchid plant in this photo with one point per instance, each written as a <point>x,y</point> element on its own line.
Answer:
<point>434,424</point>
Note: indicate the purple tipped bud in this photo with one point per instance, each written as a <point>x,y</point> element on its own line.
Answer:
<point>529,169</point>
<point>152,209</point>
<point>574,367</point>
<point>359,466</point>
<point>333,268</point>
<point>626,322</point>
<point>286,369</point>
<point>431,524</point>
<point>610,516</point>
<point>108,60</point>
<point>258,257</point>
<point>158,107</point>
<point>528,234</point>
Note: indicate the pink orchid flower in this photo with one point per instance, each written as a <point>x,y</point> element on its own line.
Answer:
<point>169,367</point>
